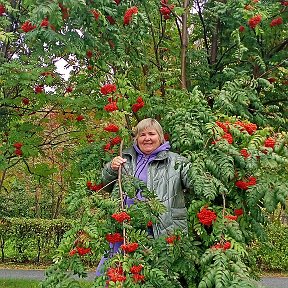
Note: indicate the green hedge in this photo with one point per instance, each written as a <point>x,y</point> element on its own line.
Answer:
<point>23,239</point>
<point>272,255</point>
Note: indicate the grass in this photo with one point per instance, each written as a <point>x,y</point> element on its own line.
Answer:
<point>21,283</point>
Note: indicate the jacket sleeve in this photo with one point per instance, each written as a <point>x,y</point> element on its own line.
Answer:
<point>108,175</point>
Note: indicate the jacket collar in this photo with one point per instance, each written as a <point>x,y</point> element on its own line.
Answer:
<point>132,153</point>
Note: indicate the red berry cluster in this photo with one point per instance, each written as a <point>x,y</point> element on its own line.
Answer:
<point>117,2</point>
<point>135,270</point>
<point>94,187</point>
<point>111,128</point>
<point>270,142</point>
<point>2,9</point>
<point>108,89</point>
<point>166,9</point>
<point>238,212</point>
<point>121,216</point>
<point>224,246</point>
<point>114,141</point>
<point>128,14</point>
<point>231,217</point>
<point>172,239</point>
<point>130,247</point>
<point>27,26</point>
<point>115,275</point>
<point>249,127</point>
<point>245,153</point>
<point>114,238</point>
<point>277,21</point>
<point>96,14</point>
<point>80,118</point>
<point>18,146</point>
<point>138,105</point>
<point>80,250</point>
<point>206,216</point>
<point>254,21</point>
<point>244,185</point>
<point>111,106</point>
<point>38,89</point>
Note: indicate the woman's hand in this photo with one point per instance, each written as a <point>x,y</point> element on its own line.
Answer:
<point>117,162</point>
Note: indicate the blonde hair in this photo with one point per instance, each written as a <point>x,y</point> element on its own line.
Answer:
<point>149,123</point>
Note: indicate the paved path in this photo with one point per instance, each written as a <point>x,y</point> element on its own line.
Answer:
<point>266,282</point>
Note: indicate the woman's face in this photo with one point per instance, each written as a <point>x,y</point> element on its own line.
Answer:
<point>148,140</point>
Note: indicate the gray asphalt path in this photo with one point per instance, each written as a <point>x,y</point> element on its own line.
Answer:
<point>266,282</point>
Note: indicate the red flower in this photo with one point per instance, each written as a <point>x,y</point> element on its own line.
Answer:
<point>45,22</point>
<point>206,216</point>
<point>111,20</point>
<point>129,248</point>
<point>27,26</point>
<point>117,2</point>
<point>241,28</point>
<point>121,216</point>
<point>18,145</point>
<point>129,13</point>
<point>244,185</point>
<point>18,152</point>
<point>138,278</point>
<point>89,54</point>
<point>83,251</point>
<point>114,238</point>
<point>270,142</point>
<point>277,21</point>
<point>111,128</point>
<point>136,269</point>
<point>38,89</point>
<point>25,101</point>
<point>238,212</point>
<point>116,274</point>
<point>96,14</point>
<point>80,118</point>
<point>231,217</point>
<point>2,9</point>
<point>171,239</point>
<point>116,140</point>
<point>108,88</point>
<point>254,21</point>
<point>244,153</point>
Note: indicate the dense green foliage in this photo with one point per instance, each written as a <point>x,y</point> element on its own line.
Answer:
<point>213,72</point>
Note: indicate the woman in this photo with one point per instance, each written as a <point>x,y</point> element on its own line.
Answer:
<point>163,171</point>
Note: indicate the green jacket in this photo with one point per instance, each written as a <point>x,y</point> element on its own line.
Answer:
<point>167,176</point>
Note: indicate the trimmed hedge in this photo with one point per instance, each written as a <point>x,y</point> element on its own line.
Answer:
<point>272,255</point>
<point>24,239</point>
